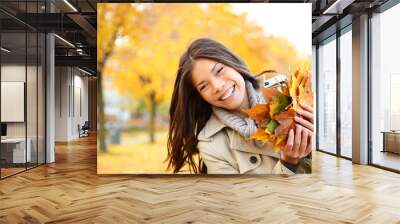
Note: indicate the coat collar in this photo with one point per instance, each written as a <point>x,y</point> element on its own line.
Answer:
<point>212,126</point>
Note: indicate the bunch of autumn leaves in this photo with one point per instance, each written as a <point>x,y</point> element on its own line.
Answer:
<point>276,117</point>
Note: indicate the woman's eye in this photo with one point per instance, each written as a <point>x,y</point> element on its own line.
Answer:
<point>203,87</point>
<point>219,70</point>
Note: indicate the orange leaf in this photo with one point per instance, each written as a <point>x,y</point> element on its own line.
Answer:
<point>286,122</point>
<point>258,112</point>
<point>291,113</point>
<point>268,93</point>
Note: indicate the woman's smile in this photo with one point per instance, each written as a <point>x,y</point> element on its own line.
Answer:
<point>228,93</point>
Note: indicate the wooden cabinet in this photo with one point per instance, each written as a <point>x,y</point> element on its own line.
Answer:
<point>391,141</point>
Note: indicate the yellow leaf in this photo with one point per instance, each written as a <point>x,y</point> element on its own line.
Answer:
<point>260,135</point>
<point>300,88</point>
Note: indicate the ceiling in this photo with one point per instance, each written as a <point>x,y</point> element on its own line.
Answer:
<point>75,21</point>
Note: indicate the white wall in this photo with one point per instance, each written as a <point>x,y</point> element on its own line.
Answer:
<point>12,100</point>
<point>13,73</point>
<point>33,126</point>
<point>62,81</point>
<point>80,110</point>
<point>71,94</point>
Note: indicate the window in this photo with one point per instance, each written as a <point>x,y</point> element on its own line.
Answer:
<point>385,89</point>
<point>327,96</point>
<point>346,93</point>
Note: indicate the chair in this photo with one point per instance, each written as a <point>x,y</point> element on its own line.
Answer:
<point>84,130</point>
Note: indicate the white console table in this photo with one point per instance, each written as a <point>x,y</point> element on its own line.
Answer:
<point>18,150</point>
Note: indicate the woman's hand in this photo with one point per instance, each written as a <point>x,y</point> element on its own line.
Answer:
<point>306,118</point>
<point>299,143</point>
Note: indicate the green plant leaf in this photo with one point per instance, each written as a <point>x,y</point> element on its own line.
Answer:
<point>279,103</point>
<point>272,125</point>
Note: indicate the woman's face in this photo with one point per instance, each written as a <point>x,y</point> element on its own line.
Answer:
<point>218,84</point>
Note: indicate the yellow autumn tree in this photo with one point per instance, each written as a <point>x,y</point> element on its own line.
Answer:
<point>113,20</point>
<point>145,61</point>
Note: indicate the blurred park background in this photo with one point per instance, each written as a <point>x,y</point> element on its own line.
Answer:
<point>139,46</point>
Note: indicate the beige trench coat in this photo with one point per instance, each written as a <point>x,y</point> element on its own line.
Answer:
<point>224,151</point>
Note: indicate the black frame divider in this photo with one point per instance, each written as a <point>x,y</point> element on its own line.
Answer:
<point>338,100</point>
<point>370,152</point>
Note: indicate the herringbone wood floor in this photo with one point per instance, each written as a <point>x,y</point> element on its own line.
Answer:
<point>70,191</point>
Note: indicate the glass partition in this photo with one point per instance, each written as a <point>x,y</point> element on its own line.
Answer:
<point>14,152</point>
<point>327,96</point>
<point>22,88</point>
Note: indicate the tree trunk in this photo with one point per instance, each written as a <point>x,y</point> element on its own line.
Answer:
<point>153,112</point>
<point>100,100</point>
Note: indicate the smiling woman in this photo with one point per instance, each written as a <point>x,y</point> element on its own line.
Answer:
<point>212,87</point>
<point>218,84</point>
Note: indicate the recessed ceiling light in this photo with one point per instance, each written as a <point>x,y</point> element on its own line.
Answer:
<point>5,50</point>
<point>84,71</point>
<point>338,6</point>
<point>64,40</point>
<point>71,6</point>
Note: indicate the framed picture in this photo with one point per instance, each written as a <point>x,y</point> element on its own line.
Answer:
<point>180,84</point>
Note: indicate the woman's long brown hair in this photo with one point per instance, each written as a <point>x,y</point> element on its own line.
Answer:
<point>188,112</point>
